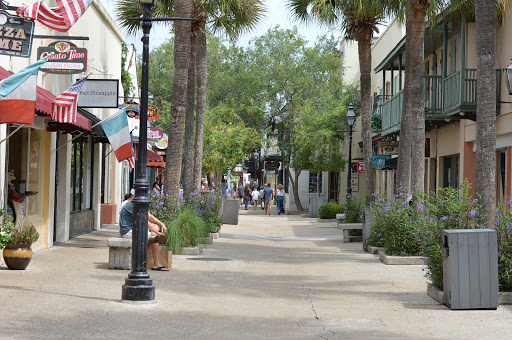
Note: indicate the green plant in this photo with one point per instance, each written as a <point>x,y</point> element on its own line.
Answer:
<point>184,231</point>
<point>447,208</point>
<point>6,228</point>
<point>26,235</point>
<point>504,230</point>
<point>328,210</point>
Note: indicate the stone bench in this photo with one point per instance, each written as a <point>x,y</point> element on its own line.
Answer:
<point>340,218</point>
<point>120,254</point>
<point>346,227</point>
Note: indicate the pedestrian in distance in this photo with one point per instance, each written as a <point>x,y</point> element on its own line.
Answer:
<point>280,199</point>
<point>223,188</point>
<point>255,197</point>
<point>262,197</point>
<point>247,195</point>
<point>240,192</point>
<point>269,198</point>
<point>228,192</point>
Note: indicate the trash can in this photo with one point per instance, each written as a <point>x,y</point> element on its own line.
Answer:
<point>230,211</point>
<point>470,269</point>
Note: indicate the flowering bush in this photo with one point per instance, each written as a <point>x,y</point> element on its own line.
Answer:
<point>26,235</point>
<point>447,208</point>
<point>6,228</point>
<point>394,225</point>
<point>353,209</point>
<point>504,230</point>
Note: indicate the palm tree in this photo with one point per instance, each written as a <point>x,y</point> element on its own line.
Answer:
<point>359,20</point>
<point>233,17</point>
<point>486,108</point>
<point>180,8</point>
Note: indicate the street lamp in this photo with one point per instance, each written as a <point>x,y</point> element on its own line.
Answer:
<point>351,119</point>
<point>138,285</point>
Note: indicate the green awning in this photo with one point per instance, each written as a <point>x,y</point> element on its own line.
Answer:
<point>391,62</point>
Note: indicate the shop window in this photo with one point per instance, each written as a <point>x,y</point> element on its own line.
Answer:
<point>25,161</point>
<point>81,174</point>
<point>315,182</point>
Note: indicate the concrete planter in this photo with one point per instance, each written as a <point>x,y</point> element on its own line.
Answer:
<point>314,203</point>
<point>374,250</point>
<point>205,240</point>
<point>215,235</point>
<point>400,260</point>
<point>326,220</point>
<point>197,250</point>
<point>438,295</point>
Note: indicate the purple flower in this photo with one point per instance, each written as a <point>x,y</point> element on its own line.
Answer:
<point>165,208</point>
<point>425,259</point>
<point>472,213</point>
<point>475,200</point>
<point>161,203</point>
<point>379,235</point>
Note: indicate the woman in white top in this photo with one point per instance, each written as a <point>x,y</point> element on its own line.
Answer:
<point>280,195</point>
<point>255,197</point>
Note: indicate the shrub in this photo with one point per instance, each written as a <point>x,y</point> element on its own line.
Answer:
<point>504,230</point>
<point>394,225</point>
<point>353,209</point>
<point>184,231</point>
<point>447,208</point>
<point>328,210</point>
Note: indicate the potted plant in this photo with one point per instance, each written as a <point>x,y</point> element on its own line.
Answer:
<point>17,253</point>
<point>6,228</point>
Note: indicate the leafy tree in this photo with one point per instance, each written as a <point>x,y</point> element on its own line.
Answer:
<point>126,78</point>
<point>359,20</point>
<point>227,140</point>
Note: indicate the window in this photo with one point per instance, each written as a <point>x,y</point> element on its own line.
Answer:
<point>81,174</point>
<point>315,182</point>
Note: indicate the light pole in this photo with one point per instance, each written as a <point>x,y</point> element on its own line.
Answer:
<point>138,285</point>
<point>351,119</point>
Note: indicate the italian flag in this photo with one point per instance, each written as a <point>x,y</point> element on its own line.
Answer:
<point>118,134</point>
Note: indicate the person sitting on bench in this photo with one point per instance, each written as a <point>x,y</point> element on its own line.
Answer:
<point>156,232</point>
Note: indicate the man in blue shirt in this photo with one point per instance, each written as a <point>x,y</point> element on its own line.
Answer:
<point>156,232</point>
<point>223,188</point>
<point>268,195</point>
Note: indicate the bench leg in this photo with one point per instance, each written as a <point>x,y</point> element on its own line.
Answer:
<point>346,235</point>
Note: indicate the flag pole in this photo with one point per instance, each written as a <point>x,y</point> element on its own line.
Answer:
<point>12,133</point>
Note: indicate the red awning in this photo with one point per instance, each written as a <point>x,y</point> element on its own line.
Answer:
<point>153,160</point>
<point>44,108</point>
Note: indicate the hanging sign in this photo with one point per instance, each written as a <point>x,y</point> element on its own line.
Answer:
<point>133,111</point>
<point>360,167</point>
<point>100,93</point>
<point>154,135</point>
<point>354,182</point>
<point>162,143</point>
<point>67,58</point>
<point>388,148</point>
<point>15,35</point>
<point>379,161</point>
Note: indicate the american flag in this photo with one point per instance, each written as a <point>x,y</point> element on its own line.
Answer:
<point>57,18</point>
<point>64,106</point>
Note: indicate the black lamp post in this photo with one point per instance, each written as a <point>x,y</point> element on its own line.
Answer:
<point>351,119</point>
<point>138,285</point>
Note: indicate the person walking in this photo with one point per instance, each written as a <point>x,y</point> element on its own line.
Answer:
<point>280,199</point>
<point>269,197</point>
<point>247,195</point>
<point>240,191</point>
<point>255,197</point>
<point>262,198</point>
<point>223,188</point>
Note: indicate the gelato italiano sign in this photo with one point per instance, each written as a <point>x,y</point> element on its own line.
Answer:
<point>133,111</point>
<point>67,58</point>
<point>15,35</point>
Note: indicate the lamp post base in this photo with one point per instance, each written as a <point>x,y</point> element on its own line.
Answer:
<point>138,290</point>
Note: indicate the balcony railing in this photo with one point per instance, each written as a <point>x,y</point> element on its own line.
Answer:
<point>442,97</point>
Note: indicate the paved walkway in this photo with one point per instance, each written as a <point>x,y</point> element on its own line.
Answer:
<point>284,277</point>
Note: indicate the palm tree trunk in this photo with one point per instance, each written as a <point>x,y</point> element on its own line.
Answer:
<point>201,64</point>
<point>188,142</point>
<point>365,68</point>
<point>295,186</point>
<point>403,172</point>
<point>486,108</point>
<point>182,8</point>
<point>415,30</point>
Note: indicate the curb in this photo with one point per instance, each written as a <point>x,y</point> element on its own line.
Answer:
<point>400,260</point>
<point>505,298</point>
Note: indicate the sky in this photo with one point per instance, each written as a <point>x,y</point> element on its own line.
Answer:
<point>277,14</point>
